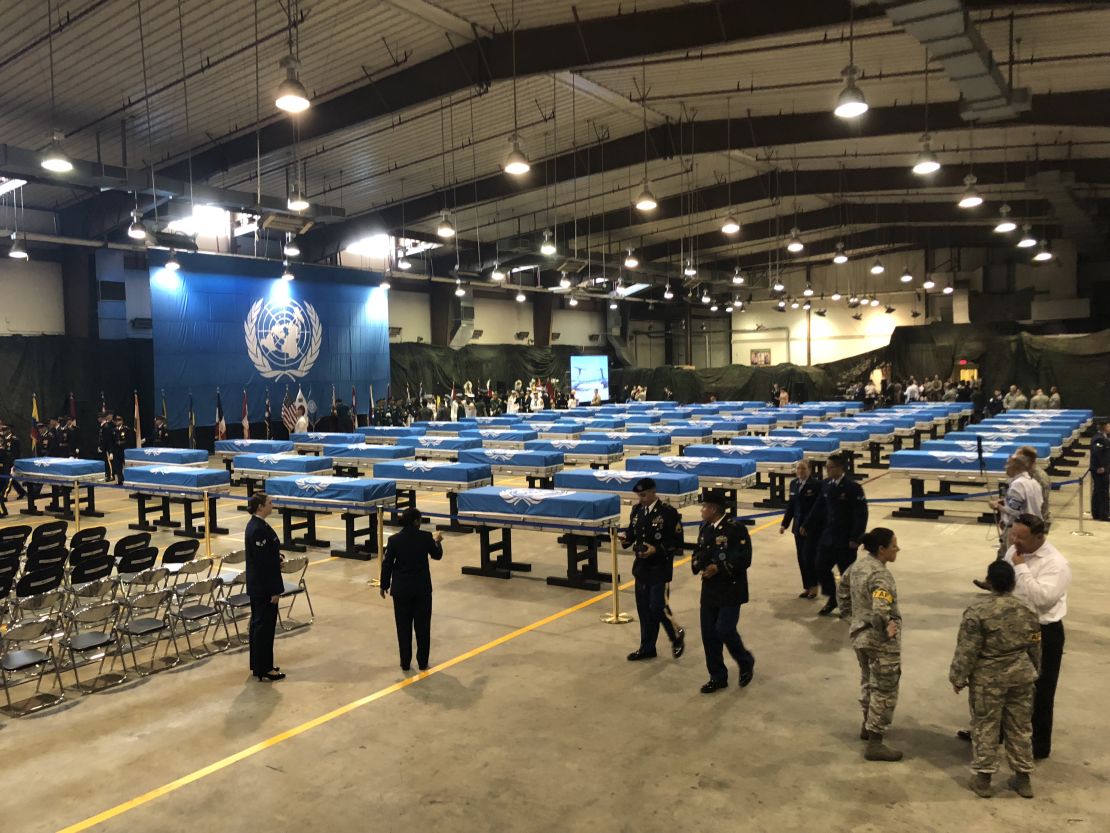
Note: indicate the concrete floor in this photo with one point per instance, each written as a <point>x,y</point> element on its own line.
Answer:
<point>552,729</point>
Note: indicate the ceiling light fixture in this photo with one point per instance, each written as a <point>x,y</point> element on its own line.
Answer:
<point>729,308</point>
<point>17,250</point>
<point>516,163</point>
<point>808,291</point>
<point>403,263</point>
<point>520,297</point>
<point>926,162</point>
<point>971,198</point>
<point>445,228</point>
<point>136,231</point>
<point>840,258</point>
<point>928,283</point>
<point>564,281</point>
<point>547,247</point>
<point>690,271</point>
<point>781,304</point>
<point>877,267</point>
<point>836,296</point>
<point>55,160</point>
<point>1027,241</point>
<point>705,299</point>
<point>794,244</point>
<point>1043,255</point>
<point>667,294</point>
<point>851,103</point>
<point>948,290</point>
<point>573,301</point>
<point>498,274</point>
<point>874,301</point>
<point>459,291</point>
<point>287,272</point>
<point>854,299</point>
<point>1005,224</point>
<point>297,200</point>
<point>384,283</point>
<point>822,312</point>
<point>292,97</point>
<point>737,277</point>
<point>778,285</point>
<point>646,200</point>
<point>807,306</point>
<point>630,260</point>
<point>291,249</point>
<point>172,265</point>
<point>713,308</point>
<point>907,276</point>
<point>794,304</point>
<point>889,309</point>
<point>731,225</point>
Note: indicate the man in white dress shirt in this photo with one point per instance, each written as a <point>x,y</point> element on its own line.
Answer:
<point>1043,576</point>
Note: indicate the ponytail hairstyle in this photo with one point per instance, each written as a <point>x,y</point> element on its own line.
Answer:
<point>876,539</point>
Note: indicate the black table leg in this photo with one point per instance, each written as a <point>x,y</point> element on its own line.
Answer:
<point>453,525</point>
<point>361,543</point>
<point>917,508</point>
<point>496,556</point>
<point>582,572</point>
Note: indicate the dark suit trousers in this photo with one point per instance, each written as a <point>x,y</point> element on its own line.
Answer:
<point>806,548</point>
<point>413,614</point>
<point>653,605</point>
<point>1100,496</point>
<point>829,556</point>
<point>1052,653</point>
<point>263,623</point>
<point>719,631</point>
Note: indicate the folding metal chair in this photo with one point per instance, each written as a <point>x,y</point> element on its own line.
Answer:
<point>295,568</point>
<point>91,635</point>
<point>48,534</point>
<point>83,536</point>
<point>146,622</point>
<point>236,605</point>
<point>25,649</point>
<point>45,557</point>
<point>196,612</point>
<point>39,593</point>
<point>232,564</point>
<point>9,568</point>
<point>92,581</point>
<point>134,562</point>
<point>131,543</point>
<point>11,546</point>
<point>193,571</point>
<point>15,535</point>
<point>178,553</point>
<point>87,549</point>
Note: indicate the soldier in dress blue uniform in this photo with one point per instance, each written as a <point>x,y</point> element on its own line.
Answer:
<point>838,519</point>
<point>106,445</point>
<point>722,557</point>
<point>655,534</point>
<point>125,439</point>
<point>161,438</point>
<point>805,488</point>
<point>1100,472</point>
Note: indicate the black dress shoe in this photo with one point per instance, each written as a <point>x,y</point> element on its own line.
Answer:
<point>714,685</point>
<point>746,676</point>
<point>423,668</point>
<point>964,735</point>
<point>269,677</point>
<point>406,667</point>
<point>640,654</point>
<point>829,607</point>
<point>678,647</point>
<point>1041,754</point>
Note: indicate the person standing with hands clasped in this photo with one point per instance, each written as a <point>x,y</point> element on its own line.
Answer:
<point>264,586</point>
<point>804,491</point>
<point>838,519</point>
<point>406,576</point>
<point>868,599</point>
<point>998,658</point>
<point>1100,473</point>
<point>655,534</point>
<point>722,557</point>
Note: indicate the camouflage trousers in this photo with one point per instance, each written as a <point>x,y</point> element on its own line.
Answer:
<point>879,675</point>
<point>1006,708</point>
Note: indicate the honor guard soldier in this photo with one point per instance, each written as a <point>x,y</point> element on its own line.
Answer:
<point>655,534</point>
<point>722,557</point>
<point>805,489</point>
<point>67,437</point>
<point>838,519</point>
<point>869,601</point>
<point>10,451</point>
<point>106,444</point>
<point>1100,473</point>
<point>161,438</point>
<point>48,438</point>
<point>264,586</point>
<point>125,439</point>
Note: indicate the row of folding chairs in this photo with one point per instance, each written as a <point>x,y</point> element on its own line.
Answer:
<point>69,628</point>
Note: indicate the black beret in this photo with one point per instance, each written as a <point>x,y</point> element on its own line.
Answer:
<point>714,496</point>
<point>644,484</point>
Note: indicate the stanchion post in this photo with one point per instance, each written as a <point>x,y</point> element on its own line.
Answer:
<point>379,517</point>
<point>615,617</point>
<point>207,527</point>
<point>77,505</point>
<point>1081,530</point>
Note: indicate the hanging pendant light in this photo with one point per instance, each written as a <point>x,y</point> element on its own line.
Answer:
<point>291,249</point>
<point>445,228</point>
<point>690,271</point>
<point>564,281</point>
<point>850,104</point>
<point>971,198</point>
<point>737,277</point>
<point>835,296</point>
<point>808,291</point>
<point>948,290</point>
<point>287,271</point>
<point>667,294</point>
<point>794,303</point>
<point>928,283</point>
<point>807,306</point>
<point>874,301</point>
<point>297,200</point>
<point>547,247</point>
<point>840,258</point>
<point>781,304</point>
<point>516,163</point>
<point>646,200</point>
<point>17,251</point>
<point>778,285</point>
<point>877,267</point>
<point>498,274</point>
<point>907,276</point>
<point>729,307</point>
<point>292,97</point>
<point>854,300</point>
<point>520,298</point>
<point>713,308</point>
<point>1005,224</point>
<point>1027,241</point>
<point>384,283</point>
<point>55,160</point>
<point>794,244</point>
<point>926,162</point>
<point>136,231</point>
<point>705,299</point>
<point>631,261</point>
<point>573,301</point>
<point>403,262</point>
<point>172,265</point>
<point>731,225</point>
<point>459,291</point>
<point>1044,254</point>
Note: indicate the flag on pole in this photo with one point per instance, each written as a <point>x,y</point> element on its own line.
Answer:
<point>269,416</point>
<point>73,409</point>
<point>354,407</point>
<point>221,426</point>
<point>370,412</point>
<point>192,423</point>
<point>34,424</point>
<point>288,412</point>
<point>103,404</point>
<point>165,410</point>
<point>334,407</point>
<point>300,402</point>
<point>246,418</point>
<point>138,427</point>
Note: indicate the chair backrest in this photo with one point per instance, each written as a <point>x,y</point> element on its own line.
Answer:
<point>197,567</point>
<point>92,568</point>
<point>149,605</point>
<point>36,582</point>
<point>201,592</point>
<point>131,543</point>
<point>137,560</point>
<point>85,550</point>
<point>235,558</point>
<point>45,558</point>
<point>11,546</point>
<point>100,617</point>
<point>22,633</point>
<point>180,551</point>
<point>153,579</point>
<point>9,567</point>
<point>100,590</point>
<point>51,531</point>
<point>295,567</point>
<point>18,533</point>
<point>91,533</point>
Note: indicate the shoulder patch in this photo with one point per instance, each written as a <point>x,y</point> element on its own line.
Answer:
<point>1035,636</point>
<point>882,595</point>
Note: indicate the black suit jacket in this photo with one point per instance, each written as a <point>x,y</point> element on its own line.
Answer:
<point>802,497</point>
<point>263,560</point>
<point>840,512</point>
<point>405,569</point>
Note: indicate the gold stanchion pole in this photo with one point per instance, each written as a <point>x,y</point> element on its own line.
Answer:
<point>379,517</point>
<point>77,505</point>
<point>615,617</point>
<point>207,527</point>
<point>1081,530</point>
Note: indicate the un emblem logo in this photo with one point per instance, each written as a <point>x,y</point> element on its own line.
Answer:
<point>283,339</point>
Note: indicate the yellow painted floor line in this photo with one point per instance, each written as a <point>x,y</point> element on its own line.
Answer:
<point>288,734</point>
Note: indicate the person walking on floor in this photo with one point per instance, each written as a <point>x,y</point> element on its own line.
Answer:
<point>264,586</point>
<point>405,575</point>
<point>998,659</point>
<point>838,519</point>
<point>655,534</point>
<point>722,557</point>
<point>868,599</point>
<point>805,489</point>
<point>1100,472</point>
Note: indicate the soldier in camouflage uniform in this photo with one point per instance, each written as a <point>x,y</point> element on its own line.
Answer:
<point>868,598</point>
<point>998,658</point>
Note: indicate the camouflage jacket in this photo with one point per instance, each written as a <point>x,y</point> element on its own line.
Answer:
<point>868,598</point>
<point>999,644</point>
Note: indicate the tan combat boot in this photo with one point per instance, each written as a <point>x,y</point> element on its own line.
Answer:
<point>878,751</point>
<point>1019,783</point>
<point>980,784</point>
